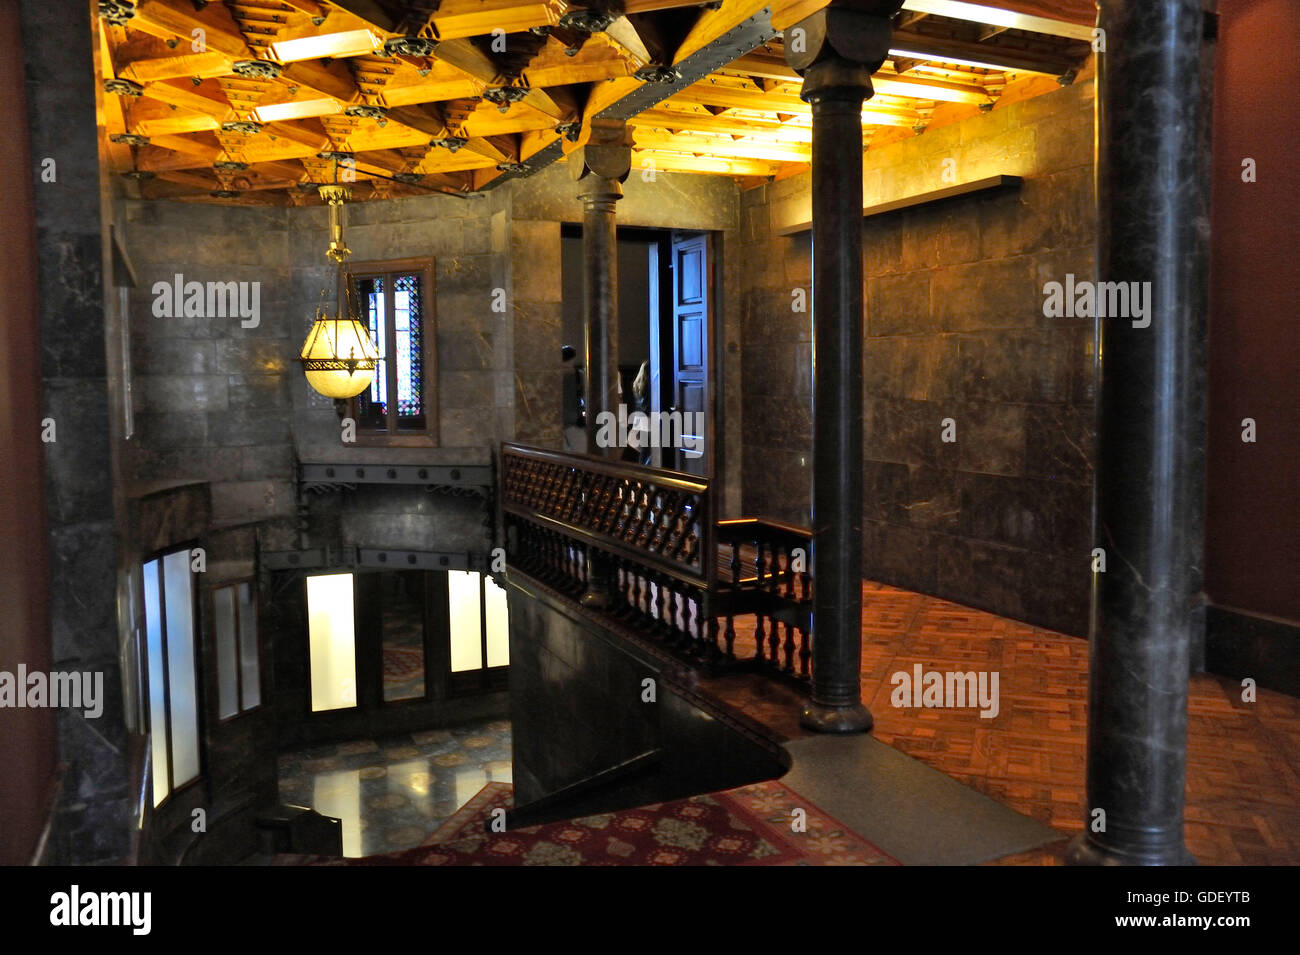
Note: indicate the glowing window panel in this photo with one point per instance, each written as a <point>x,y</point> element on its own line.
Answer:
<point>153,628</point>
<point>183,705</point>
<point>465,620</point>
<point>332,642</point>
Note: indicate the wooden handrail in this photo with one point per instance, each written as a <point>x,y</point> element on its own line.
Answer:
<point>640,544</point>
<point>658,517</point>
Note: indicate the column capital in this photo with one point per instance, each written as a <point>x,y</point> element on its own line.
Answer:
<point>837,48</point>
<point>607,154</point>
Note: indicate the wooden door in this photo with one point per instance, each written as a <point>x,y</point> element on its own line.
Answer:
<point>690,365</point>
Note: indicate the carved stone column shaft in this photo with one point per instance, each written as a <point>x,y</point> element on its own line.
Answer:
<point>599,167</point>
<point>1153,103</point>
<point>837,49</point>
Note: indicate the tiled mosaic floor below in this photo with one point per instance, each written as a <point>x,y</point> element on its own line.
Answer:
<point>394,792</point>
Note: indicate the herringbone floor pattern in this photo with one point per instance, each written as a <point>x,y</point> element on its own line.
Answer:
<point>1243,772</point>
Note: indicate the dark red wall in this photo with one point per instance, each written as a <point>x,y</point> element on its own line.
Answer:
<point>1253,490</point>
<point>27,737</point>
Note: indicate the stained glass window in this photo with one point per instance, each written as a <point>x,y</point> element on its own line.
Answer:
<point>393,304</point>
<point>406,325</point>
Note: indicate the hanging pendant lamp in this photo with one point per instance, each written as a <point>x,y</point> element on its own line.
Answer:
<point>338,357</point>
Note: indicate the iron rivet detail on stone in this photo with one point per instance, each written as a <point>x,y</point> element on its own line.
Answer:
<point>1067,78</point>
<point>569,131</point>
<point>123,87</point>
<point>247,127</point>
<point>139,175</point>
<point>363,111</point>
<point>986,107</point>
<point>543,30</point>
<point>257,69</point>
<point>409,46</point>
<point>657,74</point>
<point>335,155</point>
<point>504,96</point>
<point>129,139</point>
<point>116,12</point>
<point>586,21</point>
<point>409,177</point>
<point>226,165</point>
<point>307,187</point>
<point>223,194</point>
<point>451,143</point>
<point>516,167</point>
<point>918,129</point>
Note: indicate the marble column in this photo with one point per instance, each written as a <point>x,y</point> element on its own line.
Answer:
<point>836,50</point>
<point>600,166</point>
<point>1153,103</point>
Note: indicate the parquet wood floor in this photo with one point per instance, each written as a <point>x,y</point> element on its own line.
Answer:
<point>1243,760</point>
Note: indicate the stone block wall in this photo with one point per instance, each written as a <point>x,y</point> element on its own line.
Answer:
<point>1000,518</point>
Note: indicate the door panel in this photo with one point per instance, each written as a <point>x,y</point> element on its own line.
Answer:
<point>691,279</point>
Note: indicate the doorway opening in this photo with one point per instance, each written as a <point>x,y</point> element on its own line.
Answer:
<point>665,350</point>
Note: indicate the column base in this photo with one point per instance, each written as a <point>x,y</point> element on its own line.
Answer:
<point>836,719</point>
<point>1083,851</point>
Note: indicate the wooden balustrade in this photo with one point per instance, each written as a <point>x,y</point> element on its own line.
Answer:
<point>644,542</point>
<point>767,575</point>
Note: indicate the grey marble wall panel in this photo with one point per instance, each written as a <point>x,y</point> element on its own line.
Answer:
<point>91,821</point>
<point>954,329</point>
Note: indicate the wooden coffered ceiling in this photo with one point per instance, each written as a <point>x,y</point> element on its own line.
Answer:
<point>256,101</point>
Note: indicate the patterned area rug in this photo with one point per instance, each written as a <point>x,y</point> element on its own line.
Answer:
<point>763,824</point>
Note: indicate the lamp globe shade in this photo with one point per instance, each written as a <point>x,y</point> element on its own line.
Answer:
<point>338,357</point>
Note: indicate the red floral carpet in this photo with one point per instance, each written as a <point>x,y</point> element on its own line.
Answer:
<point>763,824</point>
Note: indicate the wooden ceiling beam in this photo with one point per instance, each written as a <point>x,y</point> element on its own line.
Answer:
<point>1065,18</point>
<point>151,70</point>
<point>709,45</point>
<point>771,130</point>
<point>499,148</point>
<point>427,118</point>
<point>486,121</point>
<point>722,146</point>
<point>668,162</point>
<point>206,98</point>
<point>768,66</point>
<point>922,46</point>
<point>455,19</point>
<point>221,32</point>
<point>714,24</point>
<point>597,61</point>
<point>327,78</point>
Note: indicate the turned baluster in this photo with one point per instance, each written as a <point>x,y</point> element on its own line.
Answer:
<point>805,652</point>
<point>729,635</point>
<point>759,636</point>
<point>774,644</point>
<point>789,648</point>
<point>664,609</point>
